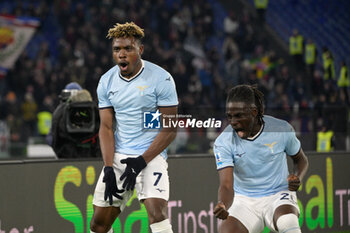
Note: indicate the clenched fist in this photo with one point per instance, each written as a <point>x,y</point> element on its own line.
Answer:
<point>293,182</point>
<point>220,211</point>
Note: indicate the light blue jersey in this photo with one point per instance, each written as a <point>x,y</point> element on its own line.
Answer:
<point>151,88</point>
<point>260,165</point>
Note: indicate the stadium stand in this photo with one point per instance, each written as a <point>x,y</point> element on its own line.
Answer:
<point>190,39</point>
<point>325,21</point>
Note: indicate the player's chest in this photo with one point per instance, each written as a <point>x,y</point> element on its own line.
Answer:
<point>261,151</point>
<point>136,94</point>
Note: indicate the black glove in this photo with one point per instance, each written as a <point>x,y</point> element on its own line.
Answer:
<point>133,168</point>
<point>111,185</point>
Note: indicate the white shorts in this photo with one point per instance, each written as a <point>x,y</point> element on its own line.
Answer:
<point>152,182</point>
<point>256,213</point>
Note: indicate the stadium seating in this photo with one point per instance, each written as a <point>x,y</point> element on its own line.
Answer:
<point>326,22</point>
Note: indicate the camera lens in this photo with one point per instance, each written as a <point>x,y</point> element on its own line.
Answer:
<point>80,117</point>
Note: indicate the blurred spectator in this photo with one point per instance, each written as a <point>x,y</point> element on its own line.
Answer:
<point>325,140</point>
<point>70,47</point>
<point>29,110</point>
<point>328,66</point>
<point>180,77</point>
<point>336,114</point>
<point>344,81</point>
<point>296,49</point>
<point>261,6</point>
<point>15,127</point>
<point>206,79</point>
<point>11,105</point>
<point>11,112</point>
<point>310,59</point>
<point>44,122</point>
<point>317,87</point>
<point>231,23</point>
<point>298,88</point>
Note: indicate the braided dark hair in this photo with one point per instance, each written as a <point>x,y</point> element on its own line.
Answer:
<point>248,94</point>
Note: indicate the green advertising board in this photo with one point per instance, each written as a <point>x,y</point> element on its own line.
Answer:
<point>55,196</point>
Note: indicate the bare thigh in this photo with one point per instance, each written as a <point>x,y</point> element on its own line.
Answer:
<point>103,218</point>
<point>157,209</point>
<point>232,225</point>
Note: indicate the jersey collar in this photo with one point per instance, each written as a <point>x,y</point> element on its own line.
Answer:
<point>257,134</point>
<point>136,75</point>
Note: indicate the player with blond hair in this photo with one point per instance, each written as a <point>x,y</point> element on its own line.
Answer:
<point>133,156</point>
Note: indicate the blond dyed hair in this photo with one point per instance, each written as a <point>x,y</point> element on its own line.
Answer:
<point>126,30</point>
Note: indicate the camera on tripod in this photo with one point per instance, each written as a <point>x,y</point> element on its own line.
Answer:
<point>80,111</point>
<point>81,117</point>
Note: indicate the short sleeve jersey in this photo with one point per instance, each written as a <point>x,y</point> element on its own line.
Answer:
<point>151,88</point>
<point>260,165</point>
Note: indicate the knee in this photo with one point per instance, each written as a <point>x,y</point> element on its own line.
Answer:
<point>288,223</point>
<point>157,210</point>
<point>98,227</point>
<point>157,216</point>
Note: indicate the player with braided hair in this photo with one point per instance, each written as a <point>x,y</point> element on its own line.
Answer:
<point>256,189</point>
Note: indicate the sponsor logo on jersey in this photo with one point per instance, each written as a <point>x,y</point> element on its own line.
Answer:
<point>141,88</point>
<point>271,145</point>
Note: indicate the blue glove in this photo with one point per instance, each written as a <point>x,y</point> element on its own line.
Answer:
<point>111,185</point>
<point>133,168</point>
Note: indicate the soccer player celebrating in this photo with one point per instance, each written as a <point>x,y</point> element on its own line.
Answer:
<point>256,189</point>
<point>133,157</point>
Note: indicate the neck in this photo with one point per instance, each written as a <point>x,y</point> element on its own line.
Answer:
<point>256,128</point>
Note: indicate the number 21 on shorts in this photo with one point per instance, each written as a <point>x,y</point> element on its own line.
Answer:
<point>284,196</point>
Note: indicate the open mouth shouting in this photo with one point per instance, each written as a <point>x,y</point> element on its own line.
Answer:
<point>240,133</point>
<point>123,66</point>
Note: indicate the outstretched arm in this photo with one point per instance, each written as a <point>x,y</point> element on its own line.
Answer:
<point>300,166</point>
<point>225,193</point>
